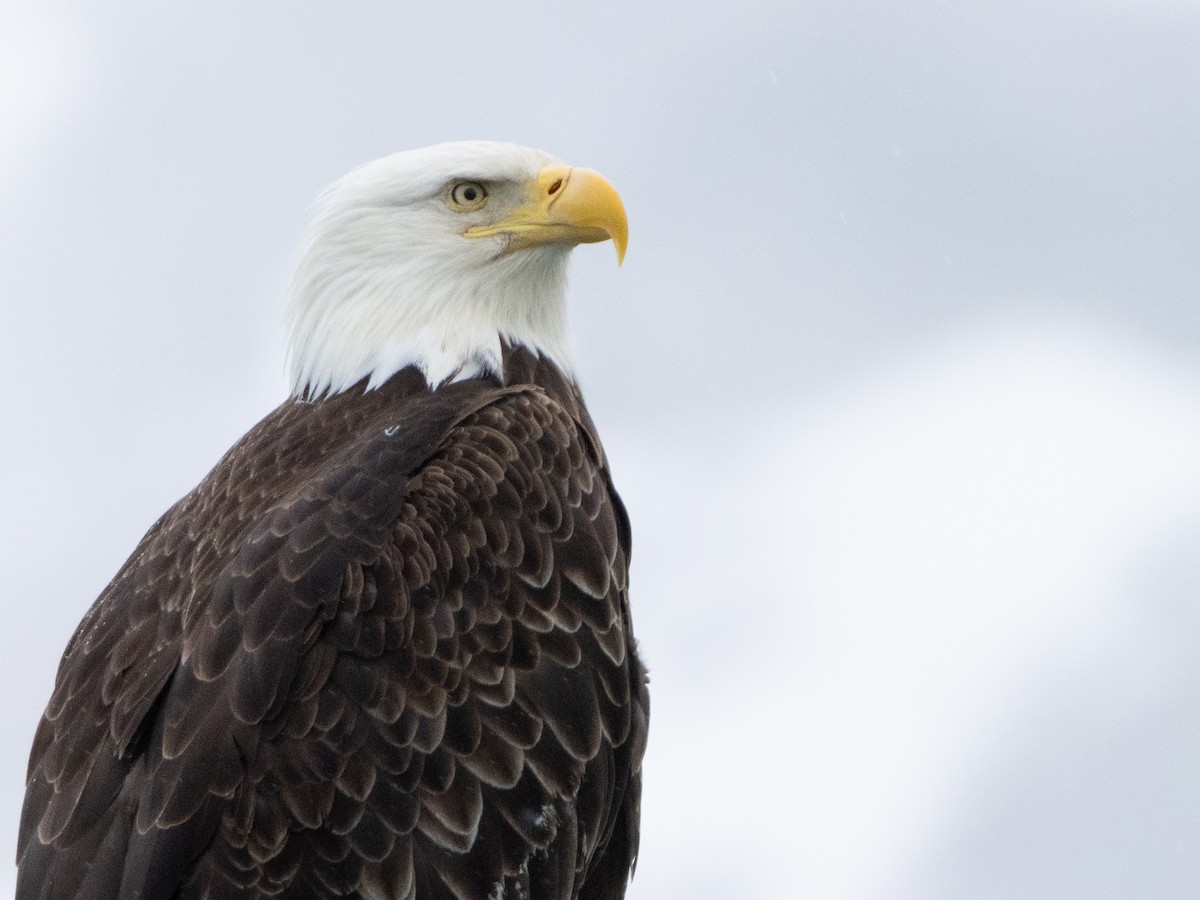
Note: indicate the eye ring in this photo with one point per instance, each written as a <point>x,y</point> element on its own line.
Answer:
<point>466,196</point>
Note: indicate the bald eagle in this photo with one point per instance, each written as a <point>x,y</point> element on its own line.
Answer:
<point>383,650</point>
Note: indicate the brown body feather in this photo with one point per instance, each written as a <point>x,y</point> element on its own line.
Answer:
<point>383,651</point>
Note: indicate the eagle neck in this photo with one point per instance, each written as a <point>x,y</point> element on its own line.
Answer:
<point>368,321</point>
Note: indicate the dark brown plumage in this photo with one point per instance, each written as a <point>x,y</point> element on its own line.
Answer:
<point>382,650</point>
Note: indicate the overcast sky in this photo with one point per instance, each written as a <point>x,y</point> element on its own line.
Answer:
<point>900,381</point>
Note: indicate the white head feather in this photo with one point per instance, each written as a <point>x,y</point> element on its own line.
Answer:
<point>386,278</point>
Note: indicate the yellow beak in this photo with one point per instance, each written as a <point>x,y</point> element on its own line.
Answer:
<point>567,205</point>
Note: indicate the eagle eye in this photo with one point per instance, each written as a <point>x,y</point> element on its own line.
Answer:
<point>466,196</point>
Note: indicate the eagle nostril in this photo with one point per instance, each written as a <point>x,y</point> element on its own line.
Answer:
<point>554,187</point>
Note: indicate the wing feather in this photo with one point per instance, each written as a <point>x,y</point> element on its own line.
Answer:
<point>410,673</point>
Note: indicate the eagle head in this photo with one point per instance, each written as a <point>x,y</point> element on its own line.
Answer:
<point>436,257</point>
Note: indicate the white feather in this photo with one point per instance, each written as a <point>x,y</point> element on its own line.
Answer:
<point>386,278</point>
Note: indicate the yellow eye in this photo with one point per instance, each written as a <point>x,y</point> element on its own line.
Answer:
<point>467,195</point>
